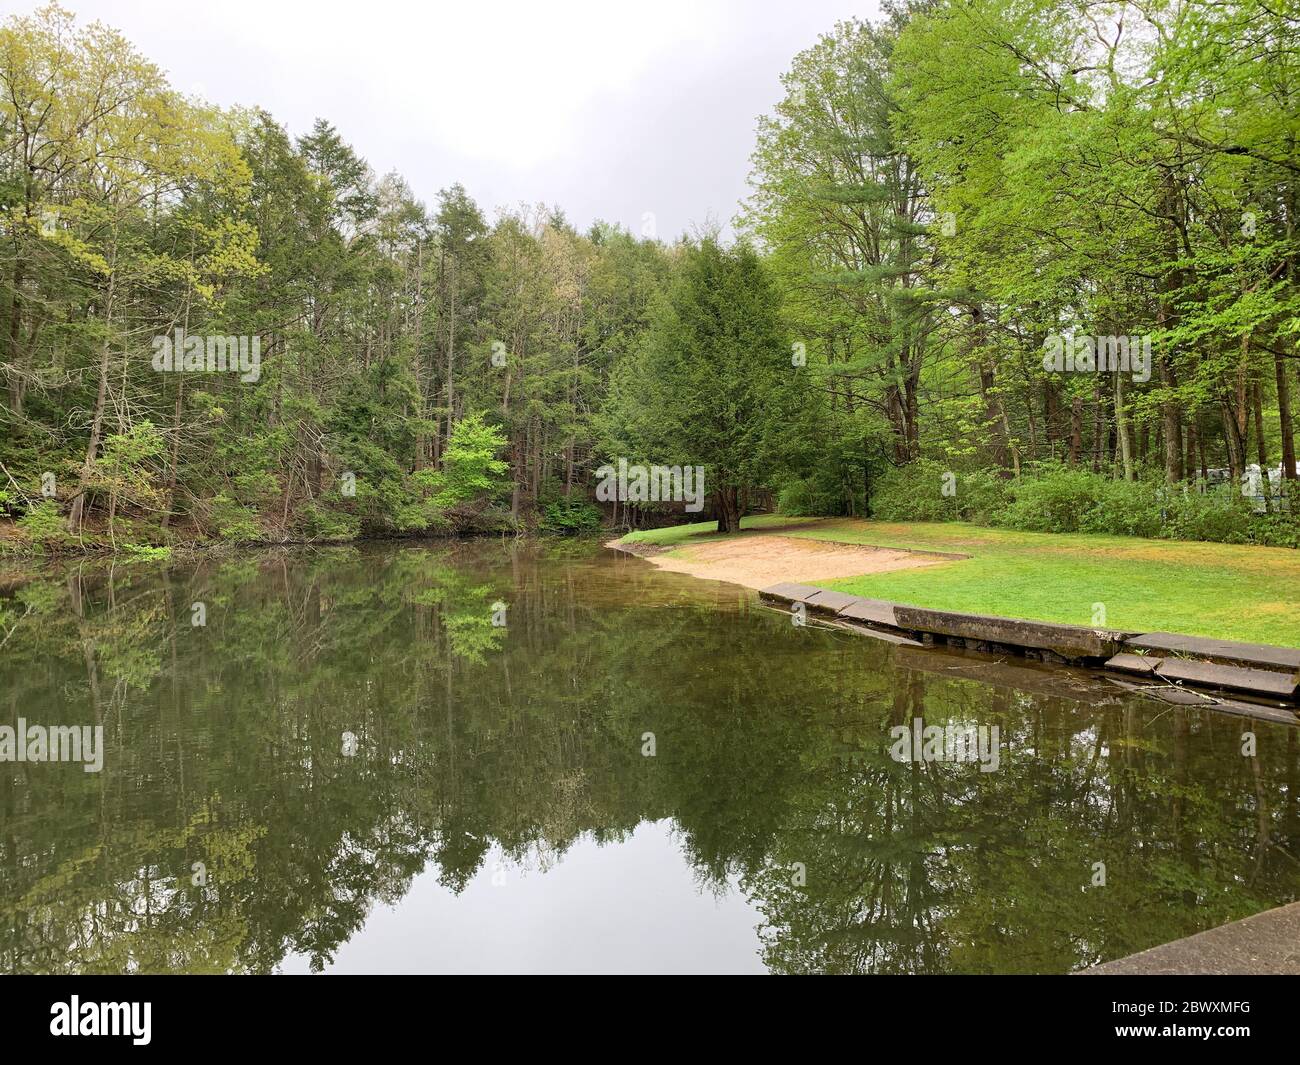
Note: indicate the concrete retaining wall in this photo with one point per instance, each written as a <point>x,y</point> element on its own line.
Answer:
<point>1159,658</point>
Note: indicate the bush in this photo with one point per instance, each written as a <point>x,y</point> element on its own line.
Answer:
<point>1054,501</point>
<point>1222,516</point>
<point>1054,498</point>
<point>569,517</point>
<point>233,520</point>
<point>1276,530</point>
<point>926,490</point>
<point>915,492</point>
<point>982,496</point>
<point>322,523</point>
<point>1058,499</point>
<point>1225,516</point>
<point>1124,508</point>
<point>44,526</point>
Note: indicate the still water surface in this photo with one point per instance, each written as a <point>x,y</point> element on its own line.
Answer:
<point>350,768</point>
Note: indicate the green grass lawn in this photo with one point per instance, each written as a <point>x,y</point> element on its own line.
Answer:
<point>1224,590</point>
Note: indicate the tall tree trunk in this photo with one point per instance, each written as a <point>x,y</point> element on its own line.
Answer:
<point>174,458</point>
<point>1098,424</point>
<point>1051,416</point>
<point>451,347</point>
<point>1234,438</point>
<point>1284,421</point>
<point>1235,418</point>
<point>15,338</point>
<point>77,515</point>
<point>995,415</point>
<point>1076,430</point>
<point>17,384</point>
<point>1192,466</point>
<point>1171,424</point>
<point>175,453</point>
<point>1122,428</point>
<point>1261,445</point>
<point>1166,313</point>
<point>911,407</point>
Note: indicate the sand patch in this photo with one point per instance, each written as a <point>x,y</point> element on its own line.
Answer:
<point>759,560</point>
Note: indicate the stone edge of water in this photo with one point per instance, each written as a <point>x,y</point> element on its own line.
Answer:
<point>1187,663</point>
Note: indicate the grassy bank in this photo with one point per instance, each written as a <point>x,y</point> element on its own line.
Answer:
<point>1221,590</point>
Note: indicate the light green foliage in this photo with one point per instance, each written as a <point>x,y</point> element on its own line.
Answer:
<point>43,526</point>
<point>943,191</point>
<point>471,469</point>
<point>232,520</point>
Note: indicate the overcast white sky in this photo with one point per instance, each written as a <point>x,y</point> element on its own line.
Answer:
<point>608,109</point>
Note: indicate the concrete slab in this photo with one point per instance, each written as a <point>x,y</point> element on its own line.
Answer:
<point>1081,685</point>
<point>1183,697</point>
<point>875,611</point>
<point>1230,652</point>
<point>1068,641</point>
<point>1256,710</point>
<point>879,634</point>
<point>1233,678</point>
<point>1058,643</point>
<point>833,601</point>
<point>1143,665</point>
<point>1267,944</point>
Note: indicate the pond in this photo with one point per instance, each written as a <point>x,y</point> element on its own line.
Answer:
<point>547,757</point>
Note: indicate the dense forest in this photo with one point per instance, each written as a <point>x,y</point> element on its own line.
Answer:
<point>1030,262</point>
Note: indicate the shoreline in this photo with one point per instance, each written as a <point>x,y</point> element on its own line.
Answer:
<point>18,569</point>
<point>1253,680</point>
<point>755,559</point>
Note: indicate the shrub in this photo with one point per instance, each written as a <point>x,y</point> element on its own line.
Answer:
<point>982,496</point>
<point>322,523</point>
<point>233,520</point>
<point>569,517</point>
<point>1123,508</point>
<point>43,525</point>
<point>1276,530</point>
<point>915,492</point>
<point>471,471</point>
<point>1222,516</point>
<point>1055,500</point>
<point>926,490</point>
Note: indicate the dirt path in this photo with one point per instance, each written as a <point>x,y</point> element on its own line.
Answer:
<point>758,560</point>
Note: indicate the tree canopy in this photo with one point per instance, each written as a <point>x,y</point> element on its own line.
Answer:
<point>948,205</point>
